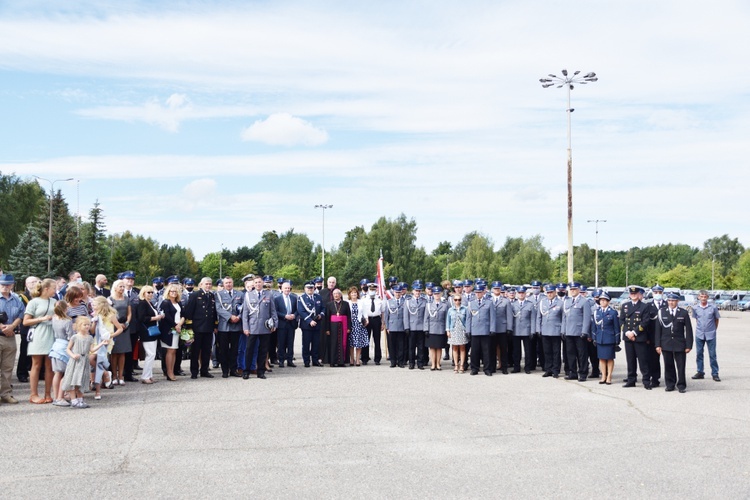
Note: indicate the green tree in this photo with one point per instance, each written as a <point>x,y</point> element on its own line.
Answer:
<point>29,257</point>
<point>94,252</point>
<point>479,257</point>
<point>743,270</point>
<point>615,274</point>
<point>531,261</point>
<point>209,266</point>
<point>22,202</point>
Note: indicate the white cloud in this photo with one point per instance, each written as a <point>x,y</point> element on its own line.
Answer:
<point>283,129</point>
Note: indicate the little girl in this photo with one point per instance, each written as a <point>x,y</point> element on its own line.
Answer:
<point>77,372</point>
<point>105,328</point>
<point>62,327</point>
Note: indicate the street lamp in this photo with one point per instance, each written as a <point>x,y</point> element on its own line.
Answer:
<point>51,191</point>
<point>596,252</point>
<point>324,207</point>
<point>567,81</point>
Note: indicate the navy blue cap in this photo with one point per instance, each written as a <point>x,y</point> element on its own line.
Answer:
<point>583,288</point>
<point>457,283</point>
<point>403,285</point>
<point>392,279</point>
<point>510,289</point>
<point>480,288</point>
<point>562,286</point>
<point>173,279</point>
<point>437,289</point>
<point>521,289</point>
<point>157,280</point>
<point>635,289</point>
<point>603,295</point>
<point>363,282</point>
<point>309,284</point>
<point>189,281</point>
<point>673,296</point>
<point>657,288</point>
<point>549,287</point>
<point>7,279</point>
<point>536,283</point>
<point>119,276</point>
<point>417,286</point>
<point>429,284</point>
<point>574,284</point>
<point>267,278</point>
<point>318,280</point>
<point>597,293</point>
<point>468,283</point>
<point>219,282</point>
<point>280,280</point>
<point>128,275</point>
<point>397,288</point>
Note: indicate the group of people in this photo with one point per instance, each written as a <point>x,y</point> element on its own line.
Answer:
<point>78,337</point>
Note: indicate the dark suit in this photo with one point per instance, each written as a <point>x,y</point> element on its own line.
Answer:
<point>286,327</point>
<point>104,292</point>
<point>310,309</point>
<point>674,334</point>
<point>201,309</point>
<point>635,318</point>
<point>655,365</point>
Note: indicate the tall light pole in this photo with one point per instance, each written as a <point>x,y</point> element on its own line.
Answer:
<point>596,252</point>
<point>567,82</point>
<point>51,192</point>
<point>324,207</point>
<point>713,264</point>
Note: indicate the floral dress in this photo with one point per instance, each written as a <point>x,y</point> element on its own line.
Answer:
<point>359,336</point>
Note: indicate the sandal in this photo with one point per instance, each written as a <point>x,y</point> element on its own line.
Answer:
<point>47,400</point>
<point>41,401</point>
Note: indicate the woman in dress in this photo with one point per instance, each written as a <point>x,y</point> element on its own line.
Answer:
<point>338,324</point>
<point>359,338</point>
<point>171,327</point>
<point>148,316</point>
<point>456,332</point>
<point>123,346</point>
<point>607,337</point>
<point>38,315</point>
<point>435,314</point>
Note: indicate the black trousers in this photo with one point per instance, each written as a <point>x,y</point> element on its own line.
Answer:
<point>374,324</point>
<point>551,354</point>
<point>24,360</point>
<point>396,349</point>
<point>228,345</point>
<point>201,351</point>
<point>654,365</point>
<point>262,342</point>
<point>593,359</point>
<point>511,357</point>
<point>481,352</point>
<point>503,341</point>
<point>416,348</point>
<point>636,354</point>
<point>129,361</point>
<point>578,356</point>
<point>310,345</point>
<point>674,360</point>
<point>529,361</point>
<point>285,339</point>
<point>536,351</point>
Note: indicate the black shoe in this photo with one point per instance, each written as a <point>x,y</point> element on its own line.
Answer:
<point>647,387</point>
<point>446,358</point>
<point>655,384</point>
<point>411,367</point>
<point>546,374</point>
<point>291,364</point>
<point>224,375</point>
<point>473,372</point>
<point>624,380</point>
<point>206,375</point>
<point>683,390</point>
<point>307,365</point>
<point>505,372</point>
<point>235,374</point>
<point>582,379</point>
<point>377,363</point>
<point>669,389</point>
<point>595,375</point>
<point>716,378</point>
<point>488,373</point>
<point>317,364</point>
<point>393,366</point>
<point>698,376</point>
<point>421,367</point>
<point>180,373</point>
<point>570,377</point>
<point>629,384</point>
<point>24,379</point>
<point>517,370</point>
<point>245,376</point>
<point>131,379</point>
<point>281,365</point>
<point>262,375</point>
<point>194,376</point>
<point>555,375</point>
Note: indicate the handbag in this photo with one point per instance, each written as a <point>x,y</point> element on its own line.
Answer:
<point>30,334</point>
<point>153,331</point>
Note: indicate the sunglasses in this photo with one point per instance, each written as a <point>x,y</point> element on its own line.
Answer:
<point>147,293</point>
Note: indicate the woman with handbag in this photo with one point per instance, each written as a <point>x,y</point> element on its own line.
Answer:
<point>171,328</point>
<point>148,323</point>
<point>38,316</point>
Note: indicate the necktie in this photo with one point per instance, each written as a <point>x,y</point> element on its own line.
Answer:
<point>372,304</point>
<point>288,304</point>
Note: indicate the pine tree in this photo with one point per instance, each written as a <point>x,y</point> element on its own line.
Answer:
<point>93,250</point>
<point>29,257</point>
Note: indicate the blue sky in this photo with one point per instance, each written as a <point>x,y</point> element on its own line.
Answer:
<point>207,123</point>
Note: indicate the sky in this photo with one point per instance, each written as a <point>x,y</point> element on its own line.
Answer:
<point>207,123</point>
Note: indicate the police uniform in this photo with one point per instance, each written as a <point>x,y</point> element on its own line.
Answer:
<point>523,329</point>
<point>576,329</point>
<point>549,326</point>
<point>258,321</point>
<point>674,335</point>
<point>414,327</point>
<point>480,318</point>
<point>395,330</point>
<point>310,310</point>
<point>634,317</point>
<point>201,310</point>
<point>501,329</point>
<point>228,307</point>
<point>654,358</point>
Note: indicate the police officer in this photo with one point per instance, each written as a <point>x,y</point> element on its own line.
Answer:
<point>394,327</point>
<point>549,326</point>
<point>524,323</point>
<point>674,340</point>
<point>414,326</point>
<point>501,328</point>
<point>634,322</point>
<point>201,310</point>
<point>228,305</point>
<point>258,321</point>
<point>479,321</point>
<point>310,312</point>
<point>576,330</point>
<point>273,342</point>
<point>657,303</point>
<point>158,284</point>
<point>537,349</point>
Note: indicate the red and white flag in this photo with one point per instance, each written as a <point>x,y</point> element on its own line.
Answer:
<point>382,292</point>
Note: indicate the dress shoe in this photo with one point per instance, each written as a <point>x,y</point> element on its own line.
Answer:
<point>307,365</point>
<point>446,358</point>
<point>131,379</point>
<point>698,376</point>
<point>194,376</point>
<point>23,379</point>
<point>527,372</point>
<point>235,374</point>
<point>291,364</point>
<point>411,367</point>
<point>505,372</point>
<point>245,376</point>
<point>263,376</point>
<point>364,363</point>
<point>402,366</point>
<point>624,380</point>
<point>377,363</point>
<point>488,373</point>
<point>629,384</point>
<point>253,372</point>
<point>473,372</point>
<point>206,375</point>
<point>224,375</point>
<point>517,370</point>
<point>393,366</point>
<point>682,390</point>
<point>582,379</point>
<point>647,387</point>
<point>570,377</point>
<point>716,378</point>
<point>179,374</point>
<point>318,363</point>
<point>555,375</point>
<point>421,367</point>
<point>546,374</point>
<point>655,383</point>
<point>669,389</point>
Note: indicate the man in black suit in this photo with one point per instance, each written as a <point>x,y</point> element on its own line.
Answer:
<point>286,311</point>
<point>201,310</point>
<point>100,282</point>
<point>674,339</point>
<point>634,321</point>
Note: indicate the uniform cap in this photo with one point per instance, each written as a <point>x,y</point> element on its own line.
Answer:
<point>429,284</point>
<point>521,289</point>
<point>635,289</point>
<point>248,277</point>
<point>437,289</point>
<point>497,284</point>
<point>562,286</point>
<point>219,282</point>
<point>536,283</point>
<point>372,286</point>
<point>397,288</point>
<point>392,279</point>
<point>309,284</point>
<point>549,288</point>
<point>417,286</point>
<point>280,280</point>
<point>189,281</point>
<point>457,283</point>
<point>673,296</point>
<point>480,288</point>
<point>128,274</point>
<point>157,280</point>
<point>318,280</point>
<point>267,278</point>
<point>363,282</point>
<point>657,288</point>
<point>468,282</point>
<point>604,295</point>
<point>173,279</point>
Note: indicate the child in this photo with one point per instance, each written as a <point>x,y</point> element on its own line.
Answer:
<point>62,327</point>
<point>105,328</point>
<point>77,371</point>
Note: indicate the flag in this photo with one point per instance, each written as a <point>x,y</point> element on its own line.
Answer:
<point>382,292</point>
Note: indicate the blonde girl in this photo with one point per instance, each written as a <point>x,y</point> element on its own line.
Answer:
<point>62,326</point>
<point>77,371</point>
<point>104,327</point>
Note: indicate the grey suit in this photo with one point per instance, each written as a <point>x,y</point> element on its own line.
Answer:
<point>479,319</point>
<point>228,304</point>
<point>549,325</point>
<point>524,323</point>
<point>256,311</point>
<point>414,325</point>
<point>576,328</point>
<point>394,324</point>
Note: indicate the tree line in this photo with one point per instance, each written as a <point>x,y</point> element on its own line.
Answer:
<point>85,245</point>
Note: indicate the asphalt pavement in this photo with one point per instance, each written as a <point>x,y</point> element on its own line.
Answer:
<point>377,432</point>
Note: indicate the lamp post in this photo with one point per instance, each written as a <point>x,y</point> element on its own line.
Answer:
<point>596,252</point>
<point>568,82</point>
<point>324,207</point>
<point>51,192</point>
